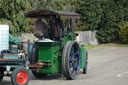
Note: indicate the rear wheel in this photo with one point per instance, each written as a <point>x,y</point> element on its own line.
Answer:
<point>39,75</point>
<point>1,75</point>
<point>20,76</point>
<point>71,60</point>
<point>86,64</point>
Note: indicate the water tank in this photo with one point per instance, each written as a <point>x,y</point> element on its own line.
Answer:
<point>4,37</point>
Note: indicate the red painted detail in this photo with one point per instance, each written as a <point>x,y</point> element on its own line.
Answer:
<point>21,77</point>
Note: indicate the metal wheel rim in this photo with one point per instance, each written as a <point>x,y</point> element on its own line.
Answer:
<point>21,77</point>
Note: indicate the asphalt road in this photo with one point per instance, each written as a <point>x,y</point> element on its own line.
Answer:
<point>107,66</point>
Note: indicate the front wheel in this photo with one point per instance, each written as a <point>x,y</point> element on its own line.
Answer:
<point>20,76</point>
<point>71,60</point>
<point>1,75</point>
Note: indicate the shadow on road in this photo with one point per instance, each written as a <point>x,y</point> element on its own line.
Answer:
<point>49,77</point>
<point>4,82</point>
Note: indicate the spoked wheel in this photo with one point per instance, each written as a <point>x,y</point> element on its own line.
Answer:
<point>39,75</point>
<point>86,64</point>
<point>1,75</point>
<point>20,76</point>
<point>71,60</point>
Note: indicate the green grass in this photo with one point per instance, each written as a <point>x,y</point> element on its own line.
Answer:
<point>90,46</point>
<point>108,44</point>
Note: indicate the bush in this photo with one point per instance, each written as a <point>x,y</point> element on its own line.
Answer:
<point>123,31</point>
<point>106,35</point>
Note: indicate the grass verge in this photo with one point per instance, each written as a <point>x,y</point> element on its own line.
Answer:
<point>108,44</point>
<point>90,46</point>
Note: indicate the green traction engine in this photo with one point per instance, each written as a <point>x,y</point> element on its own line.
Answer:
<point>56,50</point>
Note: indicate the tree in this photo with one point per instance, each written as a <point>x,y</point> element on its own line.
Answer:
<point>107,27</point>
<point>123,31</point>
<point>91,12</point>
<point>104,16</point>
<point>56,4</point>
<point>12,13</point>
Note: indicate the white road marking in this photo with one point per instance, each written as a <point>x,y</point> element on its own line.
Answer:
<point>121,74</point>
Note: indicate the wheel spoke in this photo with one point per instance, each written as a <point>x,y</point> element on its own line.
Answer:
<point>76,53</point>
<point>72,59</point>
<point>74,62</point>
<point>72,55</point>
<point>78,69</point>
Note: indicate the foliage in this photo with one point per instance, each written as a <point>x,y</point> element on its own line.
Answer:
<point>106,31</point>
<point>91,12</point>
<point>12,13</point>
<point>123,31</point>
<point>55,4</point>
<point>104,16</point>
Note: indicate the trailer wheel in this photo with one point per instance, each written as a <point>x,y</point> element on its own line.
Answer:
<point>71,60</point>
<point>20,76</point>
<point>86,64</point>
<point>39,75</point>
<point>1,75</point>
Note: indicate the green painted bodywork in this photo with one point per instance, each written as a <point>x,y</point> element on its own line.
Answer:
<point>49,53</point>
<point>83,54</point>
<point>67,37</point>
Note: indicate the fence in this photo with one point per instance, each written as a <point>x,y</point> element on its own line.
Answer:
<point>87,37</point>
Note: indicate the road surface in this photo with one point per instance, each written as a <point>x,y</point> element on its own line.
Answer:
<point>107,66</point>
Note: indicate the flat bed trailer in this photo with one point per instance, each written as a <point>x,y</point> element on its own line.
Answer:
<point>16,68</point>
